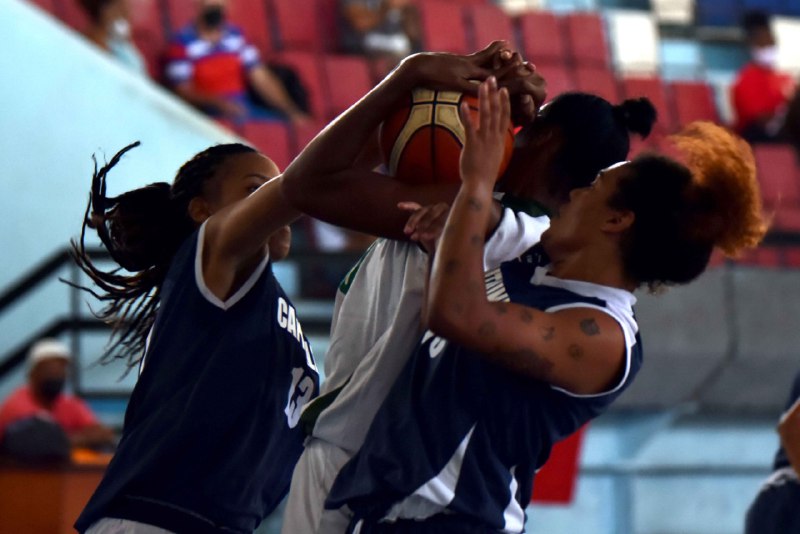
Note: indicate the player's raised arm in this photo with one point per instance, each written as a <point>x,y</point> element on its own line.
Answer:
<point>325,181</point>
<point>579,349</point>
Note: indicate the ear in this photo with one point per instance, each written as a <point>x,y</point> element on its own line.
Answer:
<point>618,222</point>
<point>199,210</point>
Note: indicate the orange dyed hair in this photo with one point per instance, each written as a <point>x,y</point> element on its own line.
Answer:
<point>723,169</point>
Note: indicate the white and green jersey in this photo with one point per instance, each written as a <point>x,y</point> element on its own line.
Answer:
<point>377,322</point>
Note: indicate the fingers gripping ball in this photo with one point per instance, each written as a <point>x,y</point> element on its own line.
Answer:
<point>421,142</point>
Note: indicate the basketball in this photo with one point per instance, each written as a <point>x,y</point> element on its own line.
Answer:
<point>421,142</point>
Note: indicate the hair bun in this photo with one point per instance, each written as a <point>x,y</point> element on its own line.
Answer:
<point>637,114</point>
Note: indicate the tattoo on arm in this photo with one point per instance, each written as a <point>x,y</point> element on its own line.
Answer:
<point>501,308</point>
<point>526,316</point>
<point>548,333</point>
<point>476,241</point>
<point>451,266</point>
<point>575,352</point>
<point>474,204</point>
<point>589,327</point>
<point>487,329</point>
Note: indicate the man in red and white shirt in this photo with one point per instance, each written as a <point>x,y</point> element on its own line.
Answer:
<point>210,64</point>
<point>43,397</point>
<point>761,94</point>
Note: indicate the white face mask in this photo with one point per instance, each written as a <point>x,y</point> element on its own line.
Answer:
<point>765,56</point>
<point>121,29</point>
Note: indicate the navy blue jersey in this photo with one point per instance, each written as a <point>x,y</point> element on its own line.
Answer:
<point>210,437</point>
<point>781,460</point>
<point>460,435</point>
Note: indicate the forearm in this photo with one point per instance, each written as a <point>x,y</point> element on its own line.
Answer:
<point>338,146</point>
<point>457,288</point>
<point>246,226</point>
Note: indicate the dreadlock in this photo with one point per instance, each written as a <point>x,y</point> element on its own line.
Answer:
<point>142,230</point>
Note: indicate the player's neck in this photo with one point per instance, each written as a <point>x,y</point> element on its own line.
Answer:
<point>595,263</point>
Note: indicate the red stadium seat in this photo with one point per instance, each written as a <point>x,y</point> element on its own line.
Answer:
<point>329,24</point>
<point>779,177</point>
<point>639,145</point>
<point>73,15</point>
<point>303,133</point>
<point>694,101</point>
<point>348,79</point>
<point>249,15</point>
<point>272,139</point>
<point>654,89</point>
<point>298,24</point>
<point>763,256</point>
<point>542,37</point>
<point>47,5</point>
<point>308,69</point>
<point>597,80</point>
<point>717,259</point>
<point>443,28</point>
<point>791,257</point>
<point>147,26</point>
<point>559,78</point>
<point>586,36</point>
<point>489,23</point>
<point>180,13</point>
<point>229,124</point>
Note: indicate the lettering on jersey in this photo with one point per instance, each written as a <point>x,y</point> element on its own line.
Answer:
<point>437,345</point>
<point>300,392</point>
<point>495,287</point>
<point>287,319</point>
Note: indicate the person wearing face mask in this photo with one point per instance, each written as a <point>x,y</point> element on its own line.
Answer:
<point>761,94</point>
<point>210,64</point>
<point>43,396</point>
<point>110,29</point>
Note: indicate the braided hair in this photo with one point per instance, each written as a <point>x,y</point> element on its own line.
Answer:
<point>142,230</point>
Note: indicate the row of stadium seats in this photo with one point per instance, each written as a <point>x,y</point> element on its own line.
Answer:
<point>570,50</point>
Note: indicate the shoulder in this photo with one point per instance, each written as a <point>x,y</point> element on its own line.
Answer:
<point>19,396</point>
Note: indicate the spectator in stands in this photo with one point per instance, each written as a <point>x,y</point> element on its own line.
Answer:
<point>211,64</point>
<point>774,510</point>
<point>761,94</point>
<point>387,30</point>
<point>43,397</point>
<point>110,29</point>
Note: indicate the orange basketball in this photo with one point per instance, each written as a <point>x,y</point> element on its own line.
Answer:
<point>421,142</point>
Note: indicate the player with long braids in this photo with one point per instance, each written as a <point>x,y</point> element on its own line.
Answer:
<point>211,431</point>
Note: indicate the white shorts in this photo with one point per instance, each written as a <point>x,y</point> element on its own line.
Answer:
<point>110,525</point>
<point>311,482</point>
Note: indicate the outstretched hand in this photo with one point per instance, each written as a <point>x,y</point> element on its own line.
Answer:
<point>425,224</point>
<point>485,136</point>
<point>452,72</point>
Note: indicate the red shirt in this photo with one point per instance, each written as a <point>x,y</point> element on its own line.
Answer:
<point>70,412</point>
<point>759,91</point>
<point>213,68</point>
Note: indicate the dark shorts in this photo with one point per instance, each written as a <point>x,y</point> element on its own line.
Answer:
<point>438,524</point>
